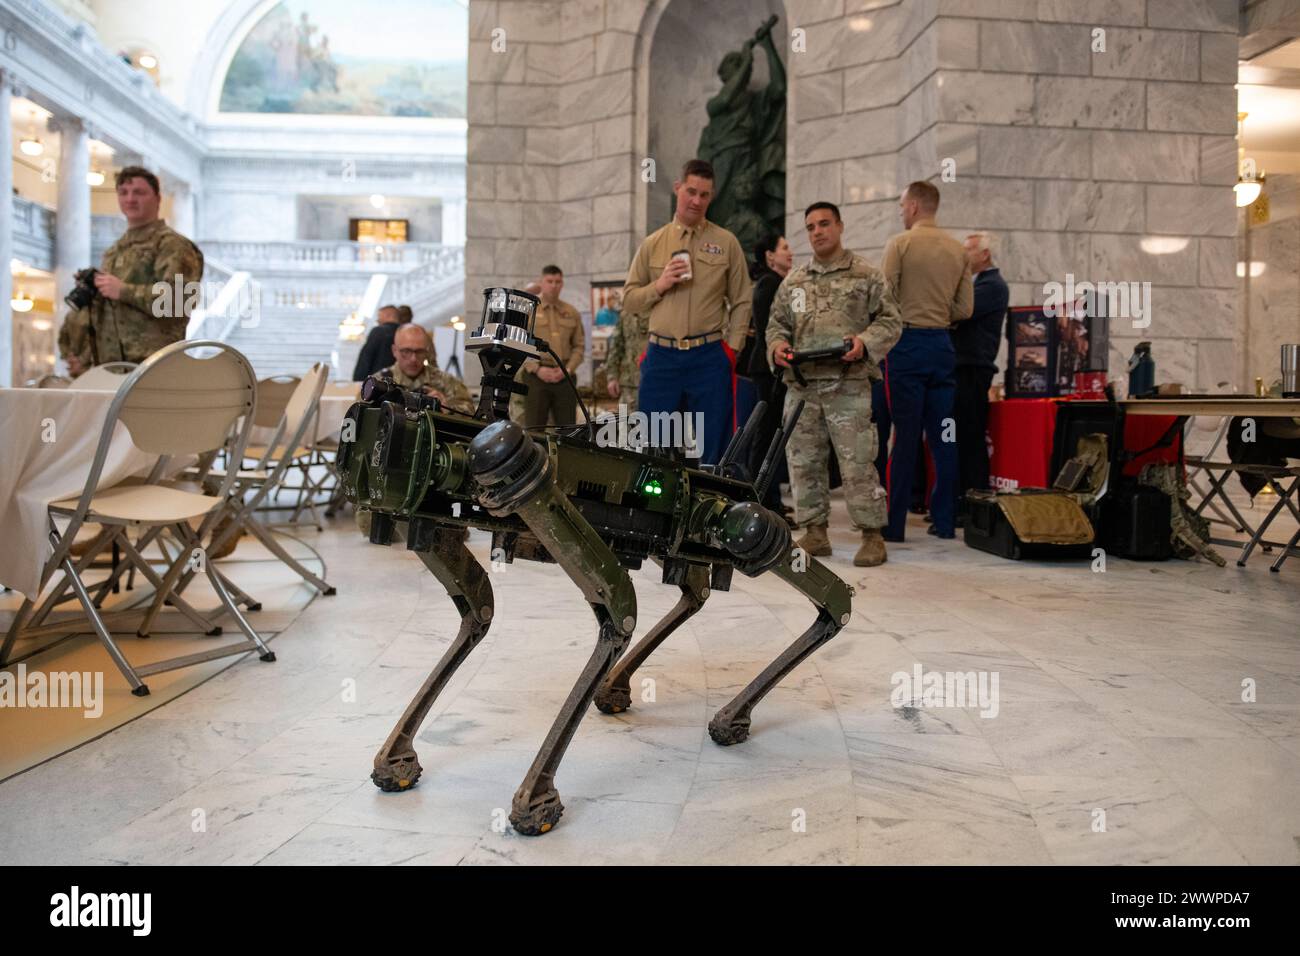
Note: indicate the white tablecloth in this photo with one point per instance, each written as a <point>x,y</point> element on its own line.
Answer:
<point>34,472</point>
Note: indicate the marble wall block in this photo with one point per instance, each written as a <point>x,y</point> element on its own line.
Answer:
<point>1219,53</point>
<point>1039,48</point>
<point>867,87</point>
<point>611,213</point>
<point>1204,108</point>
<point>1003,99</point>
<point>1218,160</point>
<point>1089,206</point>
<point>1130,13</point>
<point>1218,263</point>
<point>974,203</point>
<point>1191,210</point>
<point>808,184</point>
<point>494,144</point>
<point>870,178</point>
<point>556,145</point>
<point>508,65</point>
<point>1089,103</point>
<point>1039,257</point>
<point>582,17</point>
<point>494,220</point>
<point>523,105</point>
<point>596,98</point>
<point>996,9</point>
<point>1035,153</point>
<point>1148,55</point>
<point>561,62</point>
<point>1145,157</point>
<point>820,95</point>
<point>481,104</point>
<point>1206,15</point>
<point>533,21</point>
<point>1123,259</point>
<point>615,52</point>
<point>814,11</point>
<point>1193,313</point>
<point>613,135</point>
<point>527,183</point>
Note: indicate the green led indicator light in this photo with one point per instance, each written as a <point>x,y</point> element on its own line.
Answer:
<point>658,490</point>
<point>649,489</point>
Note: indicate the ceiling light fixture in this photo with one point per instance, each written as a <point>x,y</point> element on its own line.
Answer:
<point>1250,181</point>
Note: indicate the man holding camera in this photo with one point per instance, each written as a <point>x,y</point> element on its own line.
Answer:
<point>117,316</point>
<point>837,300</point>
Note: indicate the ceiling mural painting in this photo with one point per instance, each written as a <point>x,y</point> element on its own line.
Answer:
<point>336,57</point>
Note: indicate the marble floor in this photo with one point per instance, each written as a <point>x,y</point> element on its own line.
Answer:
<point>1118,732</point>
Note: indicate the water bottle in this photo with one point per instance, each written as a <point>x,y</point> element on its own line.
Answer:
<point>1141,371</point>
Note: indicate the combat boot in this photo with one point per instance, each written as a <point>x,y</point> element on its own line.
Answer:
<point>815,541</point>
<point>872,551</point>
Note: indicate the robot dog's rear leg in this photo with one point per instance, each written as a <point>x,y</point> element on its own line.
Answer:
<point>396,765</point>
<point>615,694</point>
<point>833,599</point>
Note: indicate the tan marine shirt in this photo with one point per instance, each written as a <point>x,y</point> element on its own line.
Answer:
<point>926,267</point>
<point>715,299</point>
<point>561,326</point>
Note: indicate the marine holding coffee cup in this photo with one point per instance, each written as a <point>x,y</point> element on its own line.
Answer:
<point>691,276</point>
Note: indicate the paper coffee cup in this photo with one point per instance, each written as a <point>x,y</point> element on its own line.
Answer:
<point>685,256</point>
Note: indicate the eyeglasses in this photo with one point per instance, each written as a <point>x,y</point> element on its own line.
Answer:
<point>412,353</point>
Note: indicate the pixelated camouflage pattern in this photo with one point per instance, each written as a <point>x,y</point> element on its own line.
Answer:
<point>1190,532</point>
<point>846,296</point>
<point>837,413</point>
<point>625,347</point>
<point>126,329</point>
<point>456,395</point>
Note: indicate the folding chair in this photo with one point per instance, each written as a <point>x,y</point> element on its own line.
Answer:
<point>264,480</point>
<point>104,378</point>
<point>172,405</point>
<point>323,454</point>
<point>271,415</point>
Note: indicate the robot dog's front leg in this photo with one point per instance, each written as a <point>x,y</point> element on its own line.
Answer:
<point>517,477</point>
<point>396,765</point>
<point>833,600</point>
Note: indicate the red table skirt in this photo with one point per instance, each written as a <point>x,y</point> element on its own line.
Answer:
<point>1020,441</point>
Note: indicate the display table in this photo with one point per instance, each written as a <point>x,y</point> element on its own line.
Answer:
<point>1021,431</point>
<point>50,439</point>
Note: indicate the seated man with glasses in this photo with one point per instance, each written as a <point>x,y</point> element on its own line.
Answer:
<point>416,368</point>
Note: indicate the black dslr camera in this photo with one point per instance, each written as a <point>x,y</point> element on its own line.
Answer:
<point>376,389</point>
<point>84,292</point>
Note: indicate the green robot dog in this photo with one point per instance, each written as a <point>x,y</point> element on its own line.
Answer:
<point>424,475</point>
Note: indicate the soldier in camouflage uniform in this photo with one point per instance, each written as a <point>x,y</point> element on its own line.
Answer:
<point>622,361</point>
<point>837,298</point>
<point>128,320</point>
<point>413,369</point>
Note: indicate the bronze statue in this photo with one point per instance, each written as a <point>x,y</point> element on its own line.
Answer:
<point>746,134</point>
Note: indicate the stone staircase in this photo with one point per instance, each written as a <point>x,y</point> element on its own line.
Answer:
<point>304,295</point>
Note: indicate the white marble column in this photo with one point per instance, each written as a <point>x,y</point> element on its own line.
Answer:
<point>8,358</point>
<point>453,222</point>
<point>183,210</point>
<point>72,228</point>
